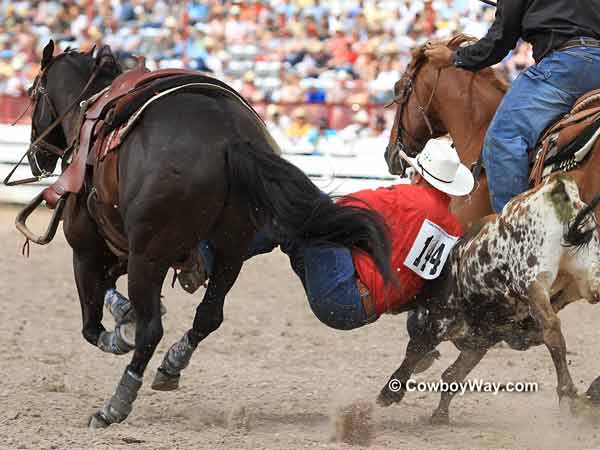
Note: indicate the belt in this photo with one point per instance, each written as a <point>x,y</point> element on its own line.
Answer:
<point>368,301</point>
<point>580,42</point>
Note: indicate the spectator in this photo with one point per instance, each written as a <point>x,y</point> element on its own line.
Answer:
<point>350,51</point>
<point>380,128</point>
<point>359,128</point>
<point>277,124</point>
<point>324,140</point>
<point>315,93</point>
<point>300,127</point>
<point>249,89</point>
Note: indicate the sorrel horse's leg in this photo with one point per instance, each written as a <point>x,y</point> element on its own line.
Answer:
<point>146,276</point>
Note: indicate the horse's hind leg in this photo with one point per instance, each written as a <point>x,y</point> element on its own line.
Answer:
<point>541,308</point>
<point>230,247</point>
<point>209,316</point>
<point>146,276</point>
<point>457,372</point>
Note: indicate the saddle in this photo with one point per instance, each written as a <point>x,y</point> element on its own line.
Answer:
<point>566,143</point>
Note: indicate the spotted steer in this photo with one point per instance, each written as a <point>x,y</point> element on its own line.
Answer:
<point>506,280</point>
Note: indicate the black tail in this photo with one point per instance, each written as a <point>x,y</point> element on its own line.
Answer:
<point>577,235</point>
<point>276,189</point>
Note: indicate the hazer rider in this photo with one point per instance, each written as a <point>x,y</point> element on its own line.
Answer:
<point>565,35</point>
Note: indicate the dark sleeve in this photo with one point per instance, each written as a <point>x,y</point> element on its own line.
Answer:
<point>499,40</point>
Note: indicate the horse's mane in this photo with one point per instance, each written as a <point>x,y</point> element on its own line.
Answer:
<point>419,58</point>
<point>110,65</point>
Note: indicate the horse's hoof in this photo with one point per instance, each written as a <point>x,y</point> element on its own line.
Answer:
<point>97,422</point>
<point>593,392</point>
<point>165,382</point>
<point>575,406</point>
<point>387,397</point>
<point>439,419</point>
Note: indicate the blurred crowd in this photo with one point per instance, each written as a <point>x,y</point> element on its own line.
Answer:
<point>273,51</point>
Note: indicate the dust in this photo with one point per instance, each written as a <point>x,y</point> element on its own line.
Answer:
<point>564,427</point>
<point>353,423</point>
<point>239,418</point>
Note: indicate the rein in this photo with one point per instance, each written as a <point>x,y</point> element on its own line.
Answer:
<point>39,144</point>
<point>402,101</point>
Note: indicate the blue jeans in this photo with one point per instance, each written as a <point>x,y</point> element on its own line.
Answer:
<point>329,279</point>
<point>327,274</point>
<point>537,98</point>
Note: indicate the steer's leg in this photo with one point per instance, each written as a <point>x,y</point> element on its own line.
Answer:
<point>457,372</point>
<point>395,388</point>
<point>543,312</point>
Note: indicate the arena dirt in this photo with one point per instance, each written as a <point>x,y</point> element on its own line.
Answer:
<point>272,377</point>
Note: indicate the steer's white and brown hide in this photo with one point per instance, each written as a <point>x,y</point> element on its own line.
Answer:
<point>506,280</point>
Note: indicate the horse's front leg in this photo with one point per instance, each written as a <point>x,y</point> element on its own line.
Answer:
<point>93,280</point>
<point>146,276</point>
<point>96,270</point>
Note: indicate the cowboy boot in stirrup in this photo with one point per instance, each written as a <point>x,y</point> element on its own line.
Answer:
<point>197,267</point>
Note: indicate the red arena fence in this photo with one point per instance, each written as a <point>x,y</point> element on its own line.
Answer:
<point>339,114</point>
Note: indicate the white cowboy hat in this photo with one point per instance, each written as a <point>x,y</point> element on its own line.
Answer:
<point>440,165</point>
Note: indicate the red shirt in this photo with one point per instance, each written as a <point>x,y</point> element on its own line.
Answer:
<point>404,208</point>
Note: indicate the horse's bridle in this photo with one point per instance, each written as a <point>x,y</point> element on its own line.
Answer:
<point>397,143</point>
<point>39,96</point>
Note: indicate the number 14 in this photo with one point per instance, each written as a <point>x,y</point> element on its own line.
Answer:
<point>433,256</point>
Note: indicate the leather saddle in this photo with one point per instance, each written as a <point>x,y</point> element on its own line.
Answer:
<point>566,143</point>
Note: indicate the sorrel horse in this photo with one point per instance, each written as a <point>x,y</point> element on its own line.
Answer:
<point>196,166</point>
<point>433,102</point>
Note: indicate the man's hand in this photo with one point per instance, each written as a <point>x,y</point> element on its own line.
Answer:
<point>439,55</point>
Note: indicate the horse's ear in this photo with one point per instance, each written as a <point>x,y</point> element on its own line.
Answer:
<point>48,53</point>
<point>105,56</point>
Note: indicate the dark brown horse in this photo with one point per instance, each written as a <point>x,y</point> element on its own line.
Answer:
<point>433,102</point>
<point>197,166</point>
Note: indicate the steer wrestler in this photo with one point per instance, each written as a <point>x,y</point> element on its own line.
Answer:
<point>343,287</point>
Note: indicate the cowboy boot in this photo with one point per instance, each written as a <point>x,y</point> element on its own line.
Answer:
<point>196,268</point>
